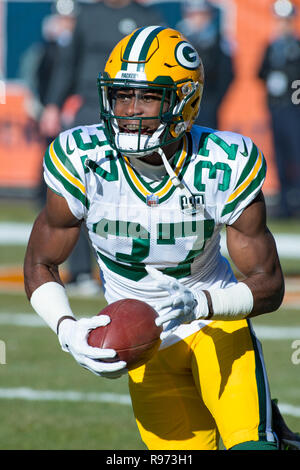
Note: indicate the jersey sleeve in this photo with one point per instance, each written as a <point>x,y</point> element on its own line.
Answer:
<point>64,173</point>
<point>247,178</point>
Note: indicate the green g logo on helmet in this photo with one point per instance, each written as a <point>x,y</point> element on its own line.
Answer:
<point>187,56</point>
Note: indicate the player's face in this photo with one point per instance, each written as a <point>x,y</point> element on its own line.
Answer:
<point>138,103</point>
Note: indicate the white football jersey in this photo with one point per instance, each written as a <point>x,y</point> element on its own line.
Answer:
<point>134,222</point>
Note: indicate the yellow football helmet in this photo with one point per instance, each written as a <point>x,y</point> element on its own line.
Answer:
<point>159,58</point>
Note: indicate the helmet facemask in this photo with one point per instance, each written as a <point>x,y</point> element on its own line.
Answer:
<point>171,123</point>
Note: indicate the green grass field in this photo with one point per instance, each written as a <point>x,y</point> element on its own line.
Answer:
<point>34,360</point>
<point>36,365</point>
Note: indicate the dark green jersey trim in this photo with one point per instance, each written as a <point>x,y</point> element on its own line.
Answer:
<point>163,182</point>
<point>166,178</point>
<point>134,272</point>
<point>262,386</point>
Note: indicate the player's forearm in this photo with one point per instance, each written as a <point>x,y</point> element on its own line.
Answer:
<point>45,291</point>
<point>263,274</point>
<point>37,273</point>
<point>267,290</point>
<point>48,247</point>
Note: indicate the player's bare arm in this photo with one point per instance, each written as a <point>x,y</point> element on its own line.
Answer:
<point>252,248</point>
<point>52,239</point>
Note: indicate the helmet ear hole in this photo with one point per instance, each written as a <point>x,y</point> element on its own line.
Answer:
<point>195,102</point>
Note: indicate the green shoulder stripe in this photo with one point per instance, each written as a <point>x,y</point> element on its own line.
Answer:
<point>73,190</point>
<point>65,160</point>
<point>255,183</point>
<point>249,165</point>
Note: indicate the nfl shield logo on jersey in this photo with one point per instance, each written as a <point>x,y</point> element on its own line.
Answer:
<point>152,200</point>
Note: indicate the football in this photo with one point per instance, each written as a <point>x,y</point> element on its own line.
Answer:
<point>132,332</point>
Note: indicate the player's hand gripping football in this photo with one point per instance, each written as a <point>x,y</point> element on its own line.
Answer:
<point>73,337</point>
<point>182,306</point>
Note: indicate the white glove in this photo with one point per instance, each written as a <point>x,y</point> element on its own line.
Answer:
<point>73,336</point>
<point>183,305</point>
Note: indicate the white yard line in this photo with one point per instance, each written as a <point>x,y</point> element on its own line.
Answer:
<point>29,394</point>
<point>14,233</point>
<point>21,319</point>
<point>24,393</point>
<point>290,410</point>
<point>264,332</point>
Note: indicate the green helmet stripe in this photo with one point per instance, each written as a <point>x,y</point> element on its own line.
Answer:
<point>146,47</point>
<point>129,47</point>
<point>138,46</point>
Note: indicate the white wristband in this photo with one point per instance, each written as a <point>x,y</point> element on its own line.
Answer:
<point>202,310</point>
<point>50,302</point>
<point>231,303</point>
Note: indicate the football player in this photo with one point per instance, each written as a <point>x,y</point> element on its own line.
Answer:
<point>154,192</point>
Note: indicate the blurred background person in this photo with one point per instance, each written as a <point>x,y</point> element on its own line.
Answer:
<point>280,67</point>
<point>201,25</point>
<point>37,67</point>
<point>99,26</point>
